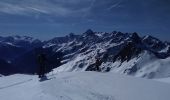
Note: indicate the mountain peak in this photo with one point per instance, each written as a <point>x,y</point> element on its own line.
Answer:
<point>89,32</point>
<point>148,37</point>
<point>135,37</point>
<point>150,40</point>
<point>71,35</point>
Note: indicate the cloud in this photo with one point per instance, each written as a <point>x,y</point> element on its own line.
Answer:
<point>115,5</point>
<point>48,7</point>
<point>11,9</point>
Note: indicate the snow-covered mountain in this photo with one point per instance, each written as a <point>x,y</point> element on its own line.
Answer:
<point>13,46</point>
<point>20,41</point>
<point>125,53</point>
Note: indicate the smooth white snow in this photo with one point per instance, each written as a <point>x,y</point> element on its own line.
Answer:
<point>82,86</point>
<point>166,80</point>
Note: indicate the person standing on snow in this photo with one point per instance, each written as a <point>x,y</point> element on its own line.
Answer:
<point>97,64</point>
<point>42,65</point>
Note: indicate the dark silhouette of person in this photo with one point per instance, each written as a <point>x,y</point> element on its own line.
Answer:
<point>97,64</point>
<point>42,65</point>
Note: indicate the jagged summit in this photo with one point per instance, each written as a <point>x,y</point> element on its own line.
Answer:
<point>89,32</point>
<point>135,37</point>
<point>154,43</point>
<point>71,35</point>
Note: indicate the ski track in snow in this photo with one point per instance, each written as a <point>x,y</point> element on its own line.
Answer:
<point>15,84</point>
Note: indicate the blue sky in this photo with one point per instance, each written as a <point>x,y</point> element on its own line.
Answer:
<point>45,19</point>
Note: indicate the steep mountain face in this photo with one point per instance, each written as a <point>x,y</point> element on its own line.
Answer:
<point>125,53</point>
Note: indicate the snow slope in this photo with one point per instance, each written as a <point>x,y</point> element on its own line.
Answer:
<point>145,65</point>
<point>82,86</point>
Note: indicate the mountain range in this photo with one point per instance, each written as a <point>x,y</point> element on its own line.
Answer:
<point>124,53</point>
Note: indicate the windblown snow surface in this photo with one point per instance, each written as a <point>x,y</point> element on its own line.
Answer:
<point>82,86</point>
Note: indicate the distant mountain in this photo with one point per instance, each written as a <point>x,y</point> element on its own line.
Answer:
<point>125,53</point>
<point>13,48</point>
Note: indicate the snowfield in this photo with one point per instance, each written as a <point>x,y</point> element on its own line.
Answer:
<point>82,86</point>
<point>166,80</point>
